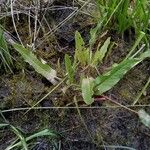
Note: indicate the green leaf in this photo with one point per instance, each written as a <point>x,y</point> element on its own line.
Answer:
<point>82,54</point>
<point>144,117</point>
<point>69,68</point>
<point>79,43</point>
<point>106,81</point>
<point>87,90</point>
<point>84,57</point>
<point>145,54</point>
<point>43,69</point>
<point>100,53</point>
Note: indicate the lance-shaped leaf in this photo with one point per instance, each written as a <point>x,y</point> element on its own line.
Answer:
<point>106,81</point>
<point>81,52</point>
<point>44,69</point>
<point>100,53</point>
<point>87,90</point>
<point>79,42</point>
<point>69,68</point>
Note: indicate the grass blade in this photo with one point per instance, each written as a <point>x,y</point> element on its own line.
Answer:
<point>45,132</point>
<point>3,125</point>
<point>4,52</point>
<point>20,136</point>
<point>142,34</point>
<point>95,32</point>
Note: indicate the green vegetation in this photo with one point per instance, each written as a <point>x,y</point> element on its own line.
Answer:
<point>22,141</point>
<point>92,69</point>
<point>5,57</point>
<point>124,14</point>
<point>40,67</point>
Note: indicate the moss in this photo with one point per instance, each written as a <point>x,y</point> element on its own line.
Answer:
<point>24,90</point>
<point>129,87</point>
<point>126,93</point>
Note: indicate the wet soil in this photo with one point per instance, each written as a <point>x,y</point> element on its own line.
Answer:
<point>100,128</point>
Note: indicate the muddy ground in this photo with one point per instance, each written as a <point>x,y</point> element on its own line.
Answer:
<point>106,127</point>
